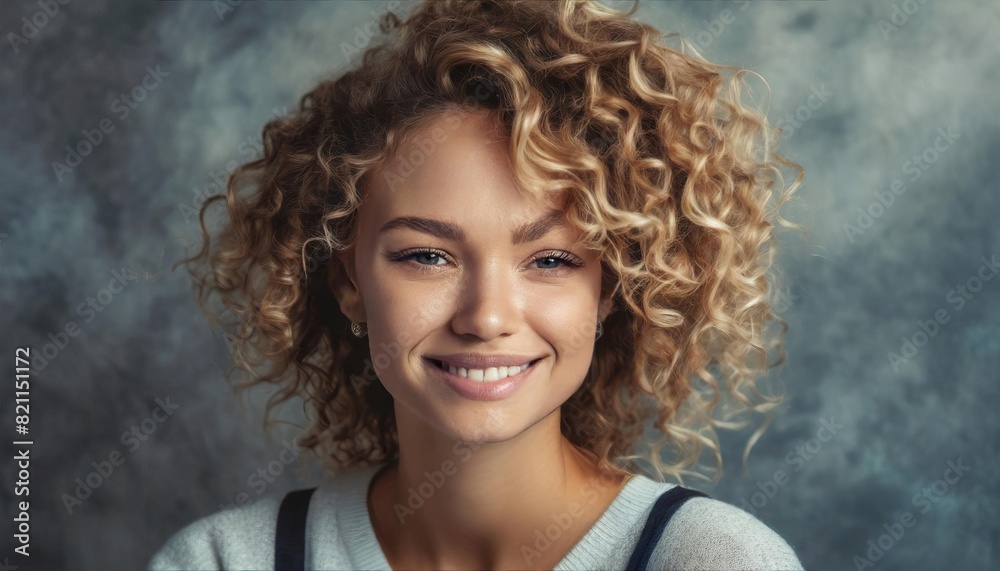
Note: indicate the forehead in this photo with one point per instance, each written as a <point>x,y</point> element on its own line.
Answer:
<point>455,166</point>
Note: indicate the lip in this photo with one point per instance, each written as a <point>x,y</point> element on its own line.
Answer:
<point>486,390</point>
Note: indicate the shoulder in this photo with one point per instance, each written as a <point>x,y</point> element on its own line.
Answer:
<point>237,538</point>
<point>706,533</point>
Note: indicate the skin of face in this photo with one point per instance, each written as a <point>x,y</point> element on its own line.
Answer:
<point>481,294</point>
<point>421,293</point>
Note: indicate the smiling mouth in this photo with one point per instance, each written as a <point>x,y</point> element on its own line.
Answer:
<point>485,375</point>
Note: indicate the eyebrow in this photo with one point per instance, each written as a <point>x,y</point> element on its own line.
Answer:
<point>529,232</point>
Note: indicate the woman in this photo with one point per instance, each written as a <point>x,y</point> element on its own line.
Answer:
<point>430,248</point>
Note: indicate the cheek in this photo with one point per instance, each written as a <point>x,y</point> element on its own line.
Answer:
<point>567,320</point>
<point>400,313</point>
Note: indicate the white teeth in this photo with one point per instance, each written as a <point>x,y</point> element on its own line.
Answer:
<point>490,374</point>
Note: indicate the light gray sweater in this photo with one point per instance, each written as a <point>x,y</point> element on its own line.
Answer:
<point>703,534</point>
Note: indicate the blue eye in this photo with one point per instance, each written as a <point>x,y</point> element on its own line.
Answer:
<point>417,256</point>
<point>426,256</point>
<point>558,257</point>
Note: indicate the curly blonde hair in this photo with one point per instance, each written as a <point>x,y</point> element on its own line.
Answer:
<point>669,176</point>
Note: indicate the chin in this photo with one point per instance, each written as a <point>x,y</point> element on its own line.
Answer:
<point>469,423</point>
<point>484,426</point>
<point>475,422</point>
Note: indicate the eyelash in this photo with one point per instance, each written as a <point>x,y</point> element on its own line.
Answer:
<point>568,259</point>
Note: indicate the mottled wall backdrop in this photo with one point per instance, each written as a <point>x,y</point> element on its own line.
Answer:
<point>118,116</point>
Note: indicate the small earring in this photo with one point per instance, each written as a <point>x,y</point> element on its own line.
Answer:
<point>600,330</point>
<point>359,329</point>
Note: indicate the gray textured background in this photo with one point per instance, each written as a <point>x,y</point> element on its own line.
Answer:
<point>850,299</point>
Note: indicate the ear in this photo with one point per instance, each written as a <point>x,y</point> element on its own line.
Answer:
<point>341,277</point>
<point>606,305</point>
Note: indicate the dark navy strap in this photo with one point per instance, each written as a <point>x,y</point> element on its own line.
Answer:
<point>290,535</point>
<point>664,508</point>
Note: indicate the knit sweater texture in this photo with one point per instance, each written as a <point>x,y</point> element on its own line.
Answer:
<point>704,533</point>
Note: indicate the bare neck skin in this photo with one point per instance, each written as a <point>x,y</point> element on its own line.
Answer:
<point>486,503</point>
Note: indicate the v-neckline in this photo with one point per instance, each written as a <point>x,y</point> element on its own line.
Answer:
<point>368,550</point>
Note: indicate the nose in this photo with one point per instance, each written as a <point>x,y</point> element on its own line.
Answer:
<point>488,306</point>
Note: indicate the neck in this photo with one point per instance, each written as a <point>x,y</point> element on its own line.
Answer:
<point>449,504</point>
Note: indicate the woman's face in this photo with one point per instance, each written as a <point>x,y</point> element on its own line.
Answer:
<point>453,258</point>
